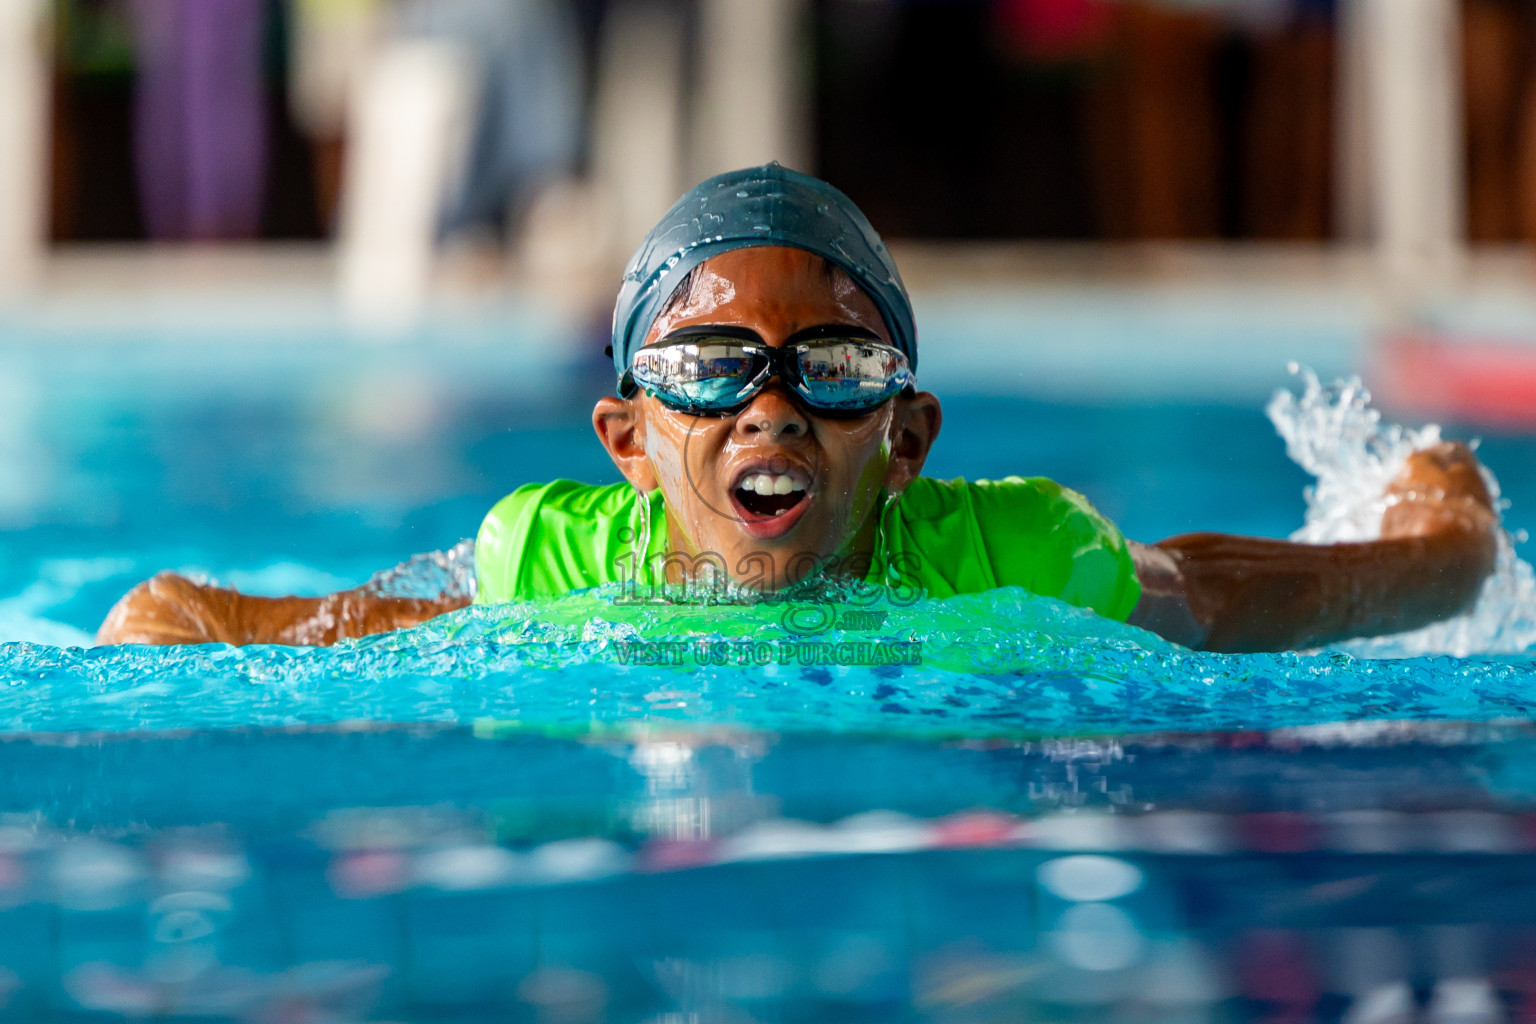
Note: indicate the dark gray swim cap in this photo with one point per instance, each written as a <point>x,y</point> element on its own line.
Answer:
<point>768,205</point>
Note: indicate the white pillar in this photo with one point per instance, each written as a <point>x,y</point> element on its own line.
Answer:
<point>1402,155</point>
<point>408,131</point>
<point>24,106</point>
<point>753,94</point>
<point>637,127</point>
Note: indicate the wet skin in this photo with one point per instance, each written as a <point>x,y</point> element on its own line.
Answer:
<point>699,462</point>
<point>1227,593</point>
<point>1208,590</point>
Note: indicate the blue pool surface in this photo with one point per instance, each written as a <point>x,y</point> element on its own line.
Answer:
<point>598,810</point>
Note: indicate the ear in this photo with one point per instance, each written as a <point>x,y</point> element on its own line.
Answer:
<point>620,426</point>
<point>913,431</point>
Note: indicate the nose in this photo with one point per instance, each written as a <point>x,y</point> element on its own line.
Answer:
<point>771,417</point>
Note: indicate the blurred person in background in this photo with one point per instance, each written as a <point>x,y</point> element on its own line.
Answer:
<point>208,150</point>
<point>527,119</point>
<point>200,125</point>
<point>331,43</point>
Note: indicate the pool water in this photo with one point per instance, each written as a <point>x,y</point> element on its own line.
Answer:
<point>594,809</point>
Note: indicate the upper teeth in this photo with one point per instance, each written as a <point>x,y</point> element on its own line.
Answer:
<point>771,483</point>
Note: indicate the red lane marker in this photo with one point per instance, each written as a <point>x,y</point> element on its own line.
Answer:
<point>1488,383</point>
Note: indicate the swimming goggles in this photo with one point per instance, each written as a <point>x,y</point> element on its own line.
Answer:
<point>714,371</point>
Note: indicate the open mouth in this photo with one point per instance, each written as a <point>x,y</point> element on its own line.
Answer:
<point>766,495</point>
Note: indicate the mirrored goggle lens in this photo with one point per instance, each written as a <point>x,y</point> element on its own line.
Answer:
<point>851,374</point>
<point>701,376</point>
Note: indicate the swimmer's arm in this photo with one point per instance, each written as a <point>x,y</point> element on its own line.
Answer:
<point>1225,593</point>
<point>171,609</point>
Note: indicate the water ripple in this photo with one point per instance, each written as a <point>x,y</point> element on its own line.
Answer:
<point>1001,663</point>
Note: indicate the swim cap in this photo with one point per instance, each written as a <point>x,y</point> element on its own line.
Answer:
<point>768,205</point>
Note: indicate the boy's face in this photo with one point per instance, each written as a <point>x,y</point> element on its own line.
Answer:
<point>835,468</point>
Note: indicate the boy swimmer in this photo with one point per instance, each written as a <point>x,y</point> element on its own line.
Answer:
<point>769,427</point>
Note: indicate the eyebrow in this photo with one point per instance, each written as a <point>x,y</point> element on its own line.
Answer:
<point>833,331</point>
<point>814,333</point>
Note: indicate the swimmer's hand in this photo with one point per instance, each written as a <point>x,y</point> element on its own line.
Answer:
<point>1226,593</point>
<point>1440,490</point>
<point>171,609</point>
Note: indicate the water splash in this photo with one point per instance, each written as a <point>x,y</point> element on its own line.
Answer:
<point>1334,433</point>
<point>1000,663</point>
<point>434,574</point>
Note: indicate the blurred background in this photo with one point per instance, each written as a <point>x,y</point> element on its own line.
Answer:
<point>268,261</point>
<point>1365,163</point>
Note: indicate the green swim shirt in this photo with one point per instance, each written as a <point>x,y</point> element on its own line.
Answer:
<point>944,537</point>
